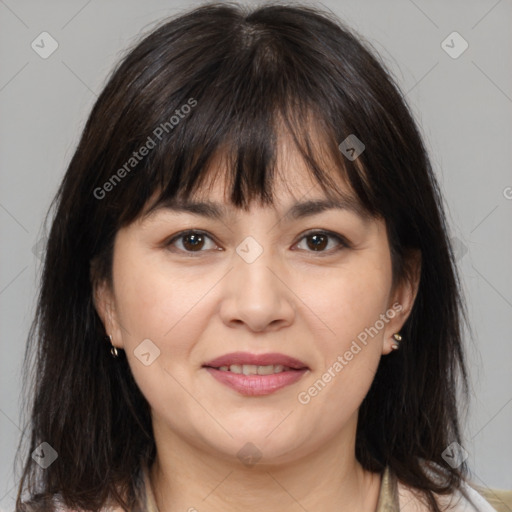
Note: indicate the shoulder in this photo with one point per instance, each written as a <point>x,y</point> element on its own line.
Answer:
<point>471,500</point>
<point>500,499</point>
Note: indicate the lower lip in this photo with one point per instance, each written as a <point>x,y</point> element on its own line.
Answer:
<point>256,385</point>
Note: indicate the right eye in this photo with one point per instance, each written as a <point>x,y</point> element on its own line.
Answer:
<point>191,241</point>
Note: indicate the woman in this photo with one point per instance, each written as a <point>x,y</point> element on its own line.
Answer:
<point>249,300</point>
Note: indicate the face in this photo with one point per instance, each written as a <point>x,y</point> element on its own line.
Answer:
<point>190,288</point>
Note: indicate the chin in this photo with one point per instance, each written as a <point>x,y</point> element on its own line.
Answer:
<point>263,444</point>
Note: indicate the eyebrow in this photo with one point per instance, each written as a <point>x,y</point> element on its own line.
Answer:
<point>297,211</point>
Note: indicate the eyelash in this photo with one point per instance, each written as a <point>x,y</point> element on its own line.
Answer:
<point>343,243</point>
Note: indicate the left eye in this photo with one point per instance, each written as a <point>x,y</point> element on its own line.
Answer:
<point>318,240</point>
<point>194,241</point>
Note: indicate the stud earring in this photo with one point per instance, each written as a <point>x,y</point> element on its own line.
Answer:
<point>397,338</point>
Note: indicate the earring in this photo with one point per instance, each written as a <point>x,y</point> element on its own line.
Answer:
<point>113,349</point>
<point>397,338</point>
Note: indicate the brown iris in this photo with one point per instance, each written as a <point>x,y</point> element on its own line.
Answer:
<point>193,241</point>
<point>319,242</point>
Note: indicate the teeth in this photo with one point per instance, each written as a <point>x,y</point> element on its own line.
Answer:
<point>249,369</point>
<point>267,370</point>
<point>252,369</point>
<point>236,368</point>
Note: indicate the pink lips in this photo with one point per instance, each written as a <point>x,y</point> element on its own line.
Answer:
<point>256,385</point>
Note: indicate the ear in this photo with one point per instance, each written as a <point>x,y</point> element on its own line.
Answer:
<point>402,299</point>
<point>104,302</point>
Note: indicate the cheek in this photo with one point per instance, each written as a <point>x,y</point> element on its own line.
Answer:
<point>166,309</point>
<point>349,306</point>
<point>349,301</point>
<point>158,305</point>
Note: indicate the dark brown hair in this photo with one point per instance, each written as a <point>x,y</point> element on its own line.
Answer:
<point>244,75</point>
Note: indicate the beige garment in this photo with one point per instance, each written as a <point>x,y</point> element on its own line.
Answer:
<point>395,497</point>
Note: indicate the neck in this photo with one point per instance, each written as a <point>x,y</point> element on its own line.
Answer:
<point>328,480</point>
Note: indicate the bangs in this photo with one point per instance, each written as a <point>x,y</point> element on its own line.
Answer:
<point>246,160</point>
<point>241,101</point>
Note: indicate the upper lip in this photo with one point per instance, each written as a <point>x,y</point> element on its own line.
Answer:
<point>242,358</point>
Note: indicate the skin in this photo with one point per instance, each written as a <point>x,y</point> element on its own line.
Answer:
<point>292,299</point>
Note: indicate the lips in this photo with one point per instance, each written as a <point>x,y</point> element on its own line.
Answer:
<point>246,358</point>
<point>256,374</point>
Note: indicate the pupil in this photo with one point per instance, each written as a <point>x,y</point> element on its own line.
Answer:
<point>194,241</point>
<point>318,242</point>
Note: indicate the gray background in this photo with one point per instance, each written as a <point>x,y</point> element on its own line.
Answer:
<point>463,106</point>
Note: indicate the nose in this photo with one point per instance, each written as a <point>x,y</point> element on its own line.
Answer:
<point>257,295</point>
